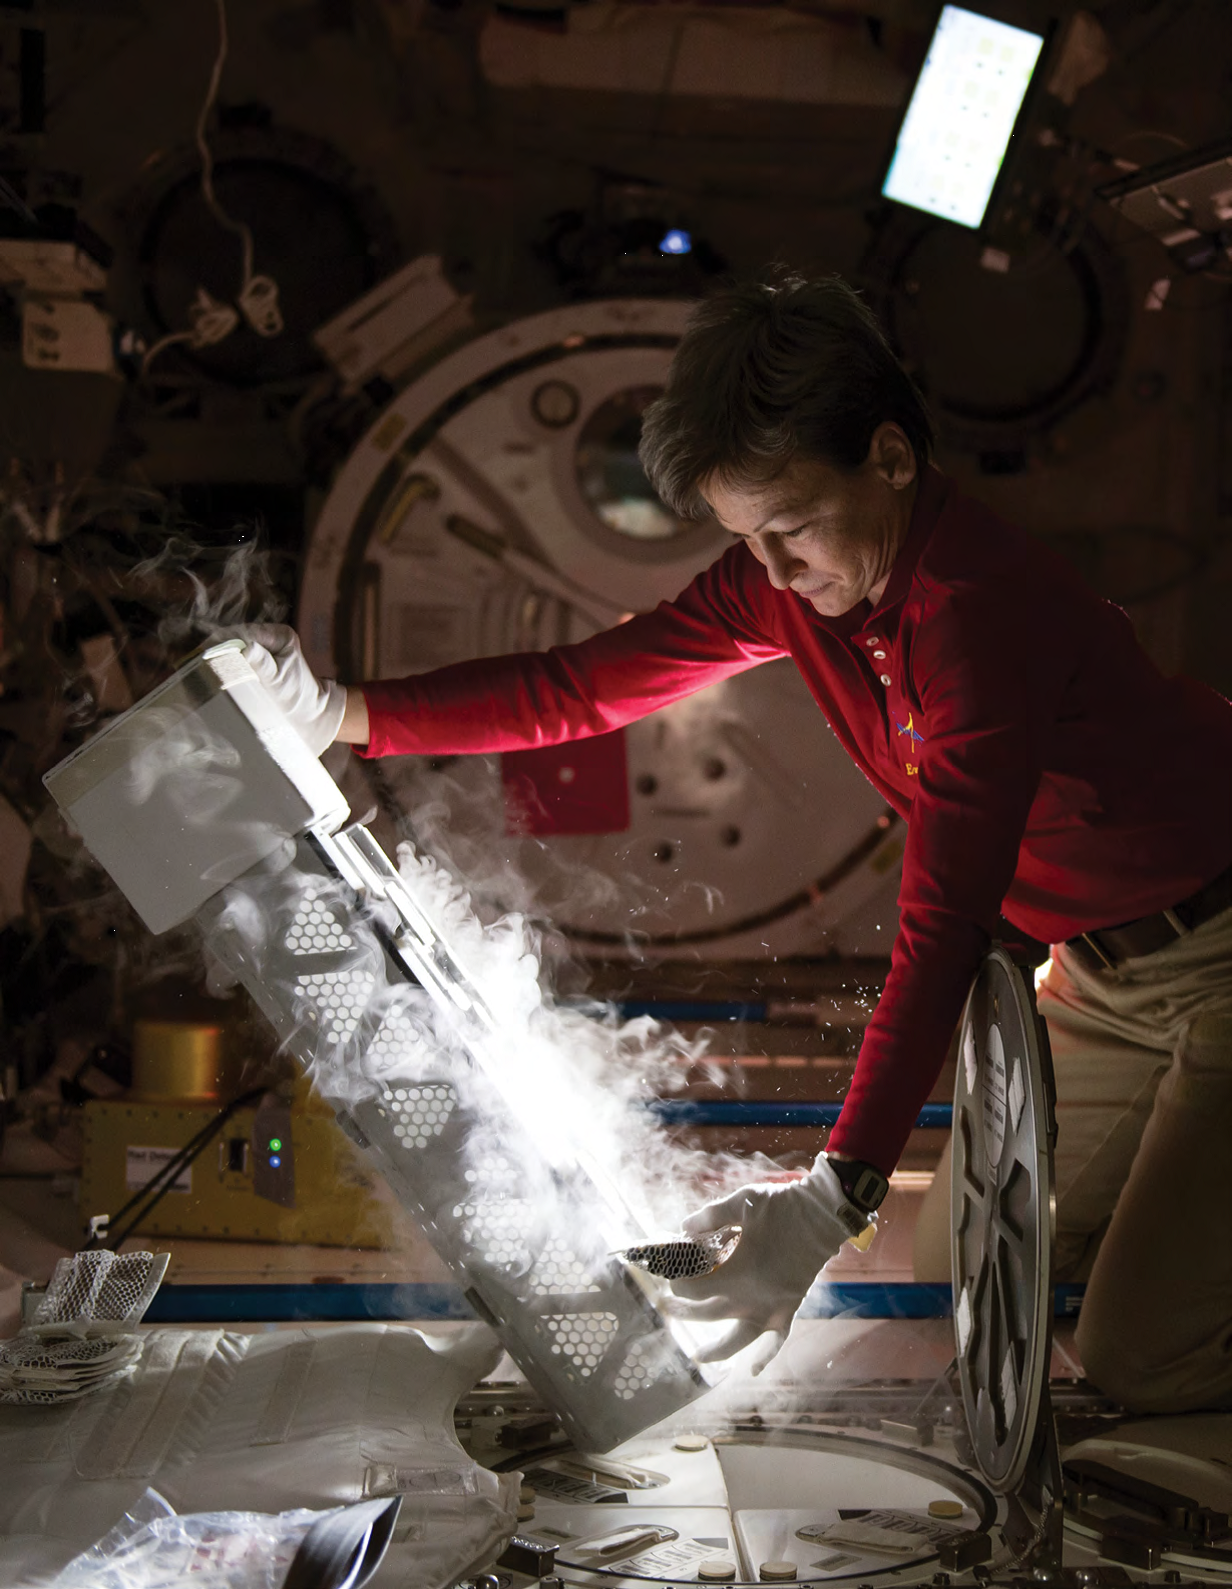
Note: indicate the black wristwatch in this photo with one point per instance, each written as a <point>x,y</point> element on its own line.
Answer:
<point>862,1184</point>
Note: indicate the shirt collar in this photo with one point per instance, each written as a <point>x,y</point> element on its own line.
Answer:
<point>931,496</point>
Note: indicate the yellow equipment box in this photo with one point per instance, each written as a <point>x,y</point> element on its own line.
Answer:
<point>284,1174</point>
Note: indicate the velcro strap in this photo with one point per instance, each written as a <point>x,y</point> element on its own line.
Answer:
<point>279,1411</point>
<point>132,1436</point>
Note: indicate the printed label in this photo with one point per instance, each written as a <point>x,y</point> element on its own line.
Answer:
<point>141,1165</point>
<point>668,1561</point>
<point>546,1481</point>
<point>384,1479</point>
<point>889,1531</point>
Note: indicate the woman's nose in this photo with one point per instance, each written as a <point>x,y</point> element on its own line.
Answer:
<point>781,565</point>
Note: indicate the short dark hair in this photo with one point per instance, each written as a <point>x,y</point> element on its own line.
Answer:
<point>768,371</point>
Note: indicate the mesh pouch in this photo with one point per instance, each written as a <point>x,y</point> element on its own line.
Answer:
<point>684,1257</point>
<point>54,1363</point>
<point>116,1287</point>
<point>84,1334</point>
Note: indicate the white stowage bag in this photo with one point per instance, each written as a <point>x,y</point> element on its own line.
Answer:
<point>216,1421</point>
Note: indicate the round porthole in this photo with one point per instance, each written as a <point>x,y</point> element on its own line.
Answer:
<point>1003,347</point>
<point>610,472</point>
<point>464,527</point>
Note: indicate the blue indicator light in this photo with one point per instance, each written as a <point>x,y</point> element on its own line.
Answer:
<point>275,1161</point>
<point>675,242</point>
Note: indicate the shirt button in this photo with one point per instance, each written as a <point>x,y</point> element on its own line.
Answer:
<point>885,678</point>
<point>880,655</point>
<point>872,640</point>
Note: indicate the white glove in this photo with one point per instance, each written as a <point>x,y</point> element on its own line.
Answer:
<point>789,1231</point>
<point>314,707</point>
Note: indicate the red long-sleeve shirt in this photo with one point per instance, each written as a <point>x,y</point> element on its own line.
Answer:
<point>1047,770</point>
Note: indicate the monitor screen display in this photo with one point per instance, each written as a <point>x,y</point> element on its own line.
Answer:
<point>962,113</point>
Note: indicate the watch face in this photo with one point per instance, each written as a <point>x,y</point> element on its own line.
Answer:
<point>869,1188</point>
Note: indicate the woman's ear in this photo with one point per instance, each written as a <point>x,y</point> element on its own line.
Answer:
<point>892,456</point>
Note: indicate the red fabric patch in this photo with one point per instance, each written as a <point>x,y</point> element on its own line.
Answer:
<point>581,787</point>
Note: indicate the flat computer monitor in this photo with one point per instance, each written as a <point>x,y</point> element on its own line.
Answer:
<point>962,115</point>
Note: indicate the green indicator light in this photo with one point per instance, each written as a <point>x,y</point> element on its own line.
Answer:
<point>275,1143</point>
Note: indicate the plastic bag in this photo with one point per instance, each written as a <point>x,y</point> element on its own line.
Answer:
<point>151,1548</point>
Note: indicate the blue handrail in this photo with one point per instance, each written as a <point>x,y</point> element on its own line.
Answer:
<point>248,1303</point>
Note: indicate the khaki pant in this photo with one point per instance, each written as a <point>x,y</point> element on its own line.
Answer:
<point>1143,1062</point>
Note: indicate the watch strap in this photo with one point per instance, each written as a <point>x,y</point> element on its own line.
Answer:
<point>863,1184</point>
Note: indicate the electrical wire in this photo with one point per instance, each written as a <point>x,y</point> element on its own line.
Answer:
<point>228,222</point>
<point>212,322</point>
<point>153,1192</point>
<point>163,343</point>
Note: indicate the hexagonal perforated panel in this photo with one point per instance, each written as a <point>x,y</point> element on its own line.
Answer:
<point>524,1238</point>
<point>560,1269</point>
<point>339,999</point>
<point>330,942</point>
<point>397,1049</point>
<point>582,1337</point>
<point>314,929</point>
<point>420,1113</point>
<point>496,1228</point>
<point>644,1362</point>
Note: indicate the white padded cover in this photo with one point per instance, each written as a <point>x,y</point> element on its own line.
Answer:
<point>217,1421</point>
